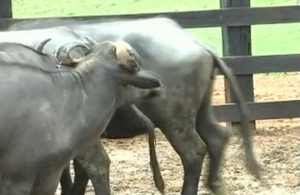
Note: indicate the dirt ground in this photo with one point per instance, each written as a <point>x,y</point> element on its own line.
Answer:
<point>276,142</point>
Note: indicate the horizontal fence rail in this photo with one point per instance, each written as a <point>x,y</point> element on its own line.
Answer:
<point>194,19</point>
<point>259,110</point>
<point>244,65</point>
<point>241,65</point>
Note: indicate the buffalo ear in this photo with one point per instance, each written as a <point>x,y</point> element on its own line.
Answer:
<point>143,79</point>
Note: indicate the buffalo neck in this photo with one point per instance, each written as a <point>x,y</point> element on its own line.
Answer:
<point>93,98</point>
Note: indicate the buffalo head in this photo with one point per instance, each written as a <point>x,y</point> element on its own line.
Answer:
<point>122,61</point>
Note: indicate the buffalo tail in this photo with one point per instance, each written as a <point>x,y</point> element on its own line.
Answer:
<point>251,163</point>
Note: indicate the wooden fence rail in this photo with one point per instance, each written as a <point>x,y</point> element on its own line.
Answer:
<point>243,64</point>
<point>259,110</point>
<point>195,19</point>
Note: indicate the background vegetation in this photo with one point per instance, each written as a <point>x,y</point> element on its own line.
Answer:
<point>266,39</point>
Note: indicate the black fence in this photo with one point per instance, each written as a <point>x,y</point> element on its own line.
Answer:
<point>235,18</point>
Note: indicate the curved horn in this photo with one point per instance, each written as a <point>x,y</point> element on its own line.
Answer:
<point>41,45</point>
<point>77,61</point>
<point>78,52</point>
<point>72,53</point>
<point>90,41</point>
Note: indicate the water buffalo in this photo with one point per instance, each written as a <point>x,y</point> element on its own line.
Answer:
<point>58,115</point>
<point>183,112</point>
<point>20,53</point>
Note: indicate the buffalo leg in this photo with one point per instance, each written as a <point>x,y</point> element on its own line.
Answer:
<point>127,117</point>
<point>95,161</point>
<point>66,181</point>
<point>47,185</point>
<point>80,180</point>
<point>215,138</point>
<point>190,147</point>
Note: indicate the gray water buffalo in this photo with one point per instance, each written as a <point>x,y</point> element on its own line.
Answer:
<point>48,118</point>
<point>183,111</point>
<point>20,53</point>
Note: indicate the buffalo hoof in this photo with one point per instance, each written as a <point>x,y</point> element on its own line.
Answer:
<point>219,189</point>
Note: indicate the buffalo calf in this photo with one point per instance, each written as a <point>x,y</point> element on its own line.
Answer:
<point>48,118</point>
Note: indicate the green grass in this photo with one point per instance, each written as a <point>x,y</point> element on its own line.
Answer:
<point>37,8</point>
<point>266,39</point>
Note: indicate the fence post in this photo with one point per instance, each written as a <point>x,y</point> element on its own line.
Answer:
<point>237,41</point>
<point>5,11</point>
